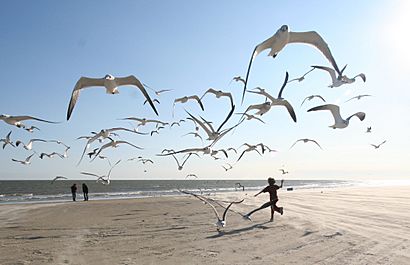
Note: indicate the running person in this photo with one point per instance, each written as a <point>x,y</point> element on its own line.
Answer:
<point>272,188</point>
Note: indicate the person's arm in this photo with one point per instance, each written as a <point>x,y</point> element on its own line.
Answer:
<point>281,183</point>
<point>259,193</point>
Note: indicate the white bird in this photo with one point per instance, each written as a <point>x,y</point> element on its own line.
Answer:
<point>29,145</point>
<point>221,221</point>
<point>282,37</point>
<point>104,179</point>
<point>56,178</point>
<point>249,117</point>
<point>300,79</point>
<point>240,186</point>
<point>50,155</point>
<point>340,123</point>
<point>144,121</point>
<point>312,97</point>
<point>229,167</point>
<point>146,160</point>
<point>16,120</point>
<point>186,98</point>
<point>283,171</point>
<point>306,140</point>
<point>111,85</point>
<point>177,123</point>
<point>31,129</point>
<point>114,144</point>
<point>280,101</point>
<point>377,146</point>
<point>249,149</point>
<point>218,94</point>
<point>191,175</point>
<point>340,80</point>
<point>157,130</point>
<point>157,92</point>
<point>181,166</point>
<point>358,97</point>
<point>195,134</point>
<point>7,140</point>
<point>369,129</point>
<point>238,79</point>
<point>25,162</point>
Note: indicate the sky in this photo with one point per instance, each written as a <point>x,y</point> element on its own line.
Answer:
<point>190,46</point>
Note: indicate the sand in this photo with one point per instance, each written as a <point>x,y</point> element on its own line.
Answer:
<point>322,226</point>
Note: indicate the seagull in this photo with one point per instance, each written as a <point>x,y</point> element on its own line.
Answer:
<point>157,130</point>
<point>369,129</point>
<point>249,149</point>
<point>305,140</point>
<point>195,134</point>
<point>177,123</point>
<point>25,162</point>
<point>378,146</point>
<point>29,145</point>
<point>221,222</point>
<point>146,160</point>
<point>59,142</point>
<point>312,97</point>
<point>218,94</point>
<point>56,178</point>
<point>249,117</point>
<point>238,79</point>
<point>16,120</point>
<point>358,97</point>
<point>229,167</point>
<point>341,80</point>
<point>239,185</point>
<point>191,175</point>
<point>7,140</point>
<point>105,180</point>
<point>186,98</point>
<point>111,85</point>
<point>340,123</point>
<point>144,121</point>
<point>282,37</point>
<point>31,129</point>
<point>157,92</point>
<point>300,79</point>
<point>181,166</point>
<point>114,144</point>
<point>154,100</point>
<point>283,171</point>
<point>104,133</point>
<point>280,101</point>
<point>51,155</point>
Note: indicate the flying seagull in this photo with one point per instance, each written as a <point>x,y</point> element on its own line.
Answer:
<point>29,145</point>
<point>340,123</point>
<point>111,85</point>
<point>300,79</point>
<point>312,97</point>
<point>358,97</point>
<point>16,120</point>
<point>56,178</point>
<point>306,140</point>
<point>377,146</point>
<point>7,140</point>
<point>339,80</point>
<point>104,179</point>
<point>282,37</point>
<point>221,221</point>
<point>24,162</point>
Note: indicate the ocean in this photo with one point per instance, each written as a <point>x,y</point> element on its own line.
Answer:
<point>29,191</point>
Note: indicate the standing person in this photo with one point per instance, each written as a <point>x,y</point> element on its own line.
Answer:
<point>272,188</point>
<point>74,191</point>
<point>85,191</point>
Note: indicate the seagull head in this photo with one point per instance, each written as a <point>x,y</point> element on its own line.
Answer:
<point>220,223</point>
<point>109,77</point>
<point>284,28</point>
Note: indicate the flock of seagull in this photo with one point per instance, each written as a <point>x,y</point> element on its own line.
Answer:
<point>206,131</point>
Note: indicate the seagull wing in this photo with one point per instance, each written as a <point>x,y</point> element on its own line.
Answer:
<point>227,118</point>
<point>329,70</point>
<point>313,38</point>
<point>362,76</point>
<point>198,100</point>
<point>229,206</point>
<point>83,82</point>
<point>288,107</point>
<point>295,143</point>
<point>90,174</point>
<point>125,142</point>
<point>22,118</point>
<point>334,109</point>
<point>132,80</point>
<point>204,200</point>
<point>360,115</point>
<point>283,85</point>
<point>200,123</point>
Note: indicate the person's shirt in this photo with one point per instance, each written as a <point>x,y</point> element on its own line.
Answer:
<point>273,191</point>
<point>73,188</point>
<point>85,188</point>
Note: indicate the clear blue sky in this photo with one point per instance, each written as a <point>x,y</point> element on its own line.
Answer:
<point>189,46</point>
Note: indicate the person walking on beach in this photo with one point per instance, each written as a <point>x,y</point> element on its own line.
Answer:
<point>74,191</point>
<point>272,188</point>
<point>85,191</point>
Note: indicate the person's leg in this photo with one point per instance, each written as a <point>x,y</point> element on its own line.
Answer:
<point>87,196</point>
<point>272,212</point>
<point>276,208</point>
<point>260,208</point>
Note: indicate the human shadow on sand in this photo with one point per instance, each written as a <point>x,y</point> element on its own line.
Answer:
<point>241,230</point>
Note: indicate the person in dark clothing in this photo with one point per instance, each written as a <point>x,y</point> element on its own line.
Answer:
<point>272,188</point>
<point>74,191</point>
<point>85,191</point>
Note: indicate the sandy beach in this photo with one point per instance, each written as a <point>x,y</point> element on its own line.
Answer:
<point>320,226</point>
